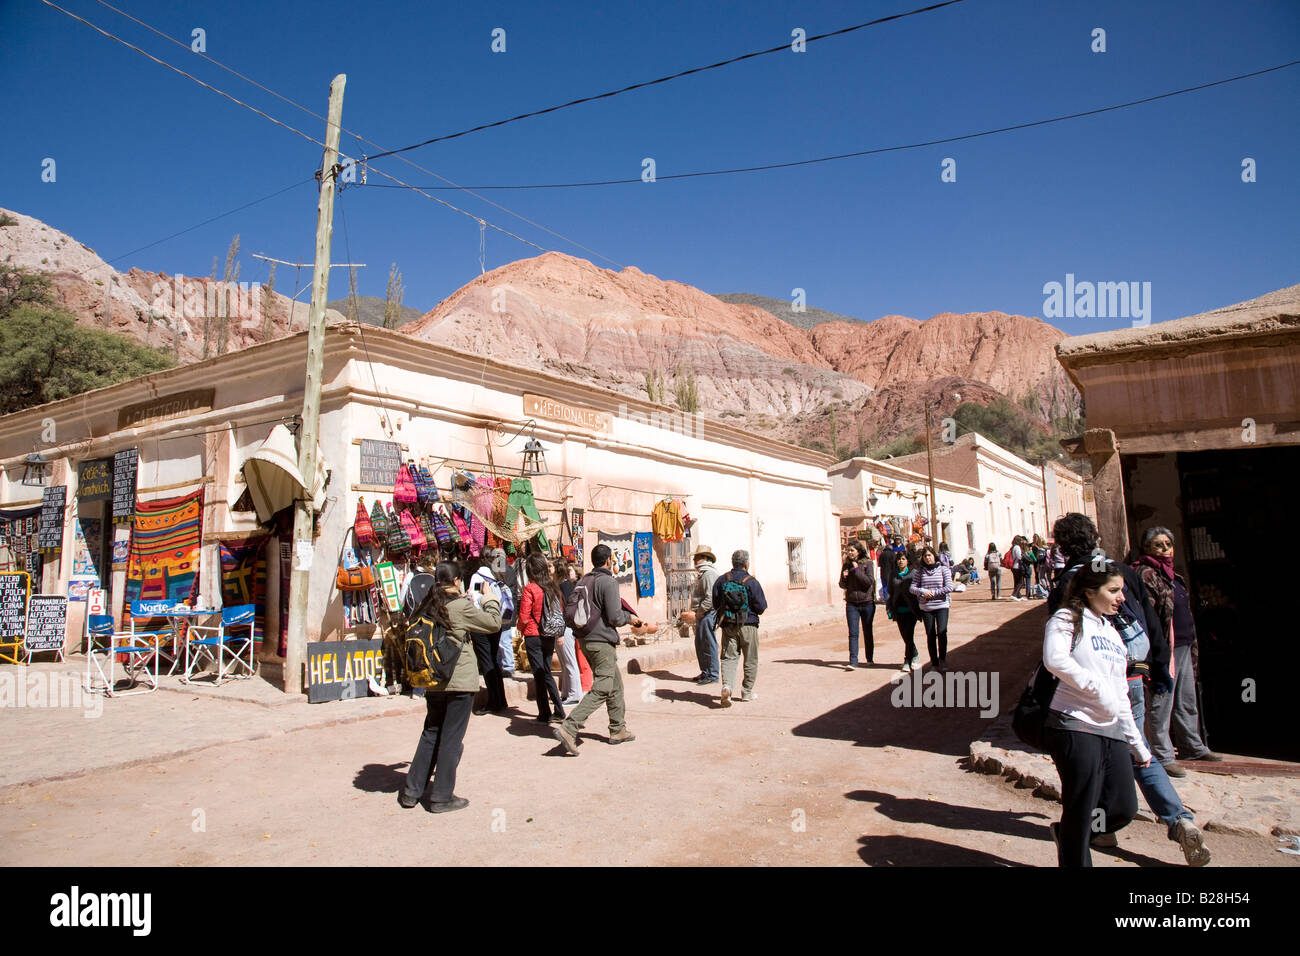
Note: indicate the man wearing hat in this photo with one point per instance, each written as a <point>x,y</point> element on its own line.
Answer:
<point>706,640</point>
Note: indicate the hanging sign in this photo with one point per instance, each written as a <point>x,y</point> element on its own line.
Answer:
<point>176,405</point>
<point>340,670</point>
<point>539,406</point>
<point>97,601</point>
<point>380,461</point>
<point>125,465</point>
<point>47,622</point>
<point>50,533</point>
<point>95,479</point>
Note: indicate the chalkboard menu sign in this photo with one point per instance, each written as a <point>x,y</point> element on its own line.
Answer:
<point>50,533</point>
<point>125,464</point>
<point>95,480</point>
<point>379,462</point>
<point>47,622</point>
<point>13,607</point>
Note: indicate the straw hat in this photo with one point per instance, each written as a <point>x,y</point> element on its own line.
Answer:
<point>704,551</point>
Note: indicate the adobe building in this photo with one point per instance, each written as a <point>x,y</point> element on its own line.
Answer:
<point>1194,425</point>
<point>609,460</point>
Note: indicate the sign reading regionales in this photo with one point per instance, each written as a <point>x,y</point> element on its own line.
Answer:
<point>339,670</point>
<point>539,406</point>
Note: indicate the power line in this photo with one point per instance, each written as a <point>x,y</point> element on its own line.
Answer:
<point>674,76</point>
<point>290,128</point>
<point>355,135</point>
<point>882,149</point>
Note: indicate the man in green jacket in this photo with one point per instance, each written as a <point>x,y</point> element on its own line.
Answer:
<point>448,704</point>
<point>599,642</point>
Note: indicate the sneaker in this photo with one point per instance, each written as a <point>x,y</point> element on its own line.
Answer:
<point>915,662</point>
<point>404,801</point>
<point>747,696</point>
<point>556,719</point>
<point>447,806</point>
<point>1174,770</point>
<point>1104,841</point>
<point>622,737</point>
<point>1187,835</point>
<point>907,667</point>
<point>726,696</point>
<point>567,738</point>
<point>572,701</point>
<point>705,681</point>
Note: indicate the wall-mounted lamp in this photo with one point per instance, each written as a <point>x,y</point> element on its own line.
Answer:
<point>34,469</point>
<point>534,451</point>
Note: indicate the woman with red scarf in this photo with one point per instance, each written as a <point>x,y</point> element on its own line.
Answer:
<point>1177,709</point>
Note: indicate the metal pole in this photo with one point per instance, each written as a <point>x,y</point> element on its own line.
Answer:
<point>304,515</point>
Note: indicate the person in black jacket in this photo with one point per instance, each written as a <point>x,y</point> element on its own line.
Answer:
<point>903,608</point>
<point>858,581</point>
<point>739,626</point>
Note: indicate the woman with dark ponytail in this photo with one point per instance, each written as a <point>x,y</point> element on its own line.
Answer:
<point>448,704</point>
<point>1090,729</point>
<point>542,595</point>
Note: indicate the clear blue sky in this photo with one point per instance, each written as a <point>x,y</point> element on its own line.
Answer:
<point>1150,194</point>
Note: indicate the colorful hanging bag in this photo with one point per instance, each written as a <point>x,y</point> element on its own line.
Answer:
<point>379,523</point>
<point>426,527</point>
<point>362,528</point>
<point>425,490</point>
<point>399,542</point>
<point>412,529</point>
<point>440,529</point>
<point>404,487</point>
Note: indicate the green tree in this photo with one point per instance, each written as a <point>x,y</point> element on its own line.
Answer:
<point>393,300</point>
<point>685,391</point>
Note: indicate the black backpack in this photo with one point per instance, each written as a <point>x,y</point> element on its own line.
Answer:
<point>430,651</point>
<point>1030,716</point>
<point>580,611</point>
<point>735,602</point>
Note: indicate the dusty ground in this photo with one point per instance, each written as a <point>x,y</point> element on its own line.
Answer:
<point>821,769</point>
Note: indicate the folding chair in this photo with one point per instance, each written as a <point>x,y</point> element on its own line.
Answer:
<point>104,644</point>
<point>151,624</point>
<point>218,644</point>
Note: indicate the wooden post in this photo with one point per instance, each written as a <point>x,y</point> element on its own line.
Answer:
<point>929,466</point>
<point>1108,491</point>
<point>304,514</point>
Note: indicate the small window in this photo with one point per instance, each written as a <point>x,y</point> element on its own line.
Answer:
<point>795,562</point>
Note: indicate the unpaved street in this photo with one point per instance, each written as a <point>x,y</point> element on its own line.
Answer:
<point>821,769</point>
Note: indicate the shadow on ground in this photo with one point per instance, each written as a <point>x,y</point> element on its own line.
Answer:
<point>380,777</point>
<point>914,851</point>
<point>939,814</point>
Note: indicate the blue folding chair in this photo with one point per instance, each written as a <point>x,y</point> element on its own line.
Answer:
<point>230,644</point>
<point>104,644</point>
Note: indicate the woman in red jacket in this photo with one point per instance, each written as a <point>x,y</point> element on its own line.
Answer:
<point>541,618</point>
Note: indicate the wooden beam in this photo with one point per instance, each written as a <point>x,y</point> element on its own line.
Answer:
<point>205,480</point>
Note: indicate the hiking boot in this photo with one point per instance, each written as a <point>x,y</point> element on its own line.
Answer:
<point>622,737</point>
<point>567,738</point>
<point>555,719</point>
<point>1104,841</point>
<point>726,696</point>
<point>447,806</point>
<point>1174,770</point>
<point>1188,836</point>
<point>1209,756</point>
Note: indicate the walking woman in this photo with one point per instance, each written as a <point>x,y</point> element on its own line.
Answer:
<point>1169,591</point>
<point>448,705</point>
<point>932,583</point>
<point>1018,566</point>
<point>1090,729</point>
<point>902,608</point>
<point>541,618</point>
<point>567,646</point>
<point>993,565</point>
<point>858,581</point>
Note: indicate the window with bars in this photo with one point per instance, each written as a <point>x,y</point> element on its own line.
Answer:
<point>795,563</point>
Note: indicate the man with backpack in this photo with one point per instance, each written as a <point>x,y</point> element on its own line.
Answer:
<point>738,600</point>
<point>594,610</point>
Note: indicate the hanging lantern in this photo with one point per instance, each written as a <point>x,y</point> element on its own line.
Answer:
<point>34,469</point>
<point>534,458</point>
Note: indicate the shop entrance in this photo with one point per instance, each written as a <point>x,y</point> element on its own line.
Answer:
<point>1239,509</point>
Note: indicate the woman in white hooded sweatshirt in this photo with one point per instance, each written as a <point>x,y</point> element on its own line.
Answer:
<point>1090,731</point>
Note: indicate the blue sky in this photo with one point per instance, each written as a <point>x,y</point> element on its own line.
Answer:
<point>1149,194</point>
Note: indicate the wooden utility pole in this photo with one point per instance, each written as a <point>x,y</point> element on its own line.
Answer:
<point>304,511</point>
<point>929,466</point>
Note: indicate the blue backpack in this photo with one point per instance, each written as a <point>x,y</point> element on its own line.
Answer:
<point>734,608</point>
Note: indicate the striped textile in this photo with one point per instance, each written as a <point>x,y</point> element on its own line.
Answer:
<point>163,559</point>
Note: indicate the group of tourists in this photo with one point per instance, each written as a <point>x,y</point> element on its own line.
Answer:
<point>732,603</point>
<point>1034,567</point>
<point>1120,635</point>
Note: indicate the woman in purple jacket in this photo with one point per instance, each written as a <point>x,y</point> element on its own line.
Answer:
<point>932,583</point>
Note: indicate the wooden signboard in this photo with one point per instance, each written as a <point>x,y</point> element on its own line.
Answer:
<point>14,588</point>
<point>50,533</point>
<point>47,622</point>
<point>379,462</point>
<point>176,405</point>
<point>125,465</point>
<point>95,479</point>
<point>338,670</point>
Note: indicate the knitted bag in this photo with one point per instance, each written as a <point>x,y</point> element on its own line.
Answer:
<point>462,532</point>
<point>412,529</point>
<point>404,487</point>
<point>362,528</point>
<point>399,542</point>
<point>425,490</point>
<point>426,528</point>
<point>378,523</point>
<point>440,529</point>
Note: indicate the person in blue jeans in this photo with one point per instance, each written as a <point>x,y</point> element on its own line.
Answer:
<point>858,581</point>
<point>706,637</point>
